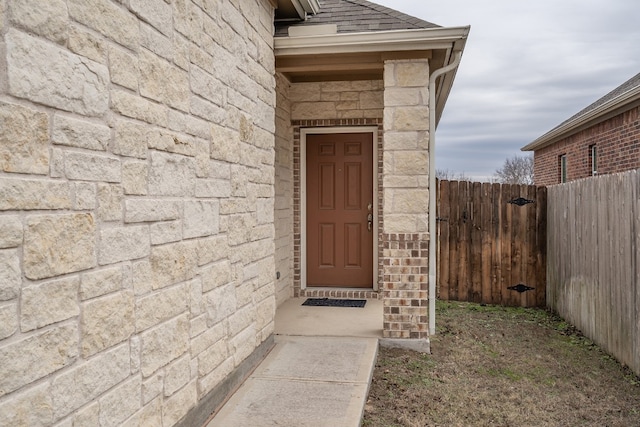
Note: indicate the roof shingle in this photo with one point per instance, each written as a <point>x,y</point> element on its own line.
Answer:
<point>357,16</point>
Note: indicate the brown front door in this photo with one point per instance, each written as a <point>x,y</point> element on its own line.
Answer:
<point>339,202</point>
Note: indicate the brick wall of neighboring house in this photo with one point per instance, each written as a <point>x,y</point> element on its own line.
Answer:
<point>136,205</point>
<point>617,142</point>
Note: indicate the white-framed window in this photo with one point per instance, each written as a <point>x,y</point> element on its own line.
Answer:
<point>593,159</point>
<point>562,163</point>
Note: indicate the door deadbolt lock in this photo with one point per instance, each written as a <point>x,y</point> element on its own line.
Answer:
<point>370,222</point>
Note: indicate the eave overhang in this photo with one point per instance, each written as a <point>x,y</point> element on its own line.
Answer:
<point>618,105</point>
<point>351,56</point>
<point>380,41</point>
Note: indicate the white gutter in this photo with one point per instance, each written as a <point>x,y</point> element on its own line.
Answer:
<point>432,188</point>
<point>381,41</point>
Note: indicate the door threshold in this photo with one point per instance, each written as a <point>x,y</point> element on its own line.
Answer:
<point>330,292</point>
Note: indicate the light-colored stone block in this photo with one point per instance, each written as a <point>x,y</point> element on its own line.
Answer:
<point>110,198</point>
<point>213,188</point>
<point>207,338</point>
<point>10,231</point>
<point>49,75</point>
<point>10,275</point>
<point>243,344</point>
<point>130,139</point>
<point>149,210</point>
<point>48,303</point>
<point>409,201</point>
<point>87,43</point>
<point>212,380</point>
<point>87,416</point>
<point>158,14</point>
<point>201,218</point>
<point>28,194</point>
<point>163,344</point>
<point>171,143</point>
<point>123,68</point>
<point>171,175</point>
<point>123,244</point>
<point>412,73</point>
<point>80,133</point>
<point>410,163</point>
<point>91,167</point>
<point>198,325</point>
<point>216,275</point>
<point>24,140</point>
<point>212,249</point>
<point>47,18</point>
<point>86,196</point>
<point>134,178</point>
<point>173,263</point>
<point>142,279</point>
<point>156,42</point>
<point>152,387</point>
<point>149,415</point>
<point>106,321</point>
<point>195,296</point>
<point>32,358</point>
<point>107,18</point>
<point>29,408</point>
<point>185,123</point>
<point>220,303</point>
<point>177,406</point>
<point>207,86</point>
<point>58,244</point>
<point>161,306</point>
<point>212,357</point>
<point>163,82</point>
<point>177,375</point>
<point>86,381</point>
<point>399,96</point>
<point>121,402</point>
<point>8,320</point>
<point>100,282</point>
<point>165,232</point>
<point>411,118</point>
<point>138,108</point>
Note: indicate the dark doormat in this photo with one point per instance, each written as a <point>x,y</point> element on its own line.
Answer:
<point>330,302</point>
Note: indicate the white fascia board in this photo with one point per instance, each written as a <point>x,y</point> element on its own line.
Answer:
<point>310,6</point>
<point>580,122</point>
<point>379,41</point>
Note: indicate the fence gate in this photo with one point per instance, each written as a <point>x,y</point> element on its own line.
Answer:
<point>492,243</point>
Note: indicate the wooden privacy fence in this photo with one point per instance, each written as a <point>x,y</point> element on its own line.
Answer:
<point>491,237</point>
<point>594,260</point>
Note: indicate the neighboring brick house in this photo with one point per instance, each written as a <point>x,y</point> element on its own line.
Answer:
<point>603,138</point>
<point>156,164</point>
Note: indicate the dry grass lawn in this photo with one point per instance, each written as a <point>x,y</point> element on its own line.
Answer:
<point>496,366</point>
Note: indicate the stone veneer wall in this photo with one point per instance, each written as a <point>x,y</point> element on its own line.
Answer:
<point>406,199</point>
<point>284,191</point>
<point>332,104</point>
<point>136,205</point>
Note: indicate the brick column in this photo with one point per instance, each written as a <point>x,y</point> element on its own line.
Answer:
<point>406,199</point>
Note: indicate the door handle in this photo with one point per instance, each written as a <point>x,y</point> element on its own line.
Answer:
<point>370,222</point>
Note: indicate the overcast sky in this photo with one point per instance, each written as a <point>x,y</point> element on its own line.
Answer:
<point>527,67</point>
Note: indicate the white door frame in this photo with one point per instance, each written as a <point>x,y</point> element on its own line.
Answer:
<point>303,195</point>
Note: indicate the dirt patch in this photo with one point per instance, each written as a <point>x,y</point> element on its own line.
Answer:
<point>497,366</point>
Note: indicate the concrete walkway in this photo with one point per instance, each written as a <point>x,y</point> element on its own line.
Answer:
<point>318,373</point>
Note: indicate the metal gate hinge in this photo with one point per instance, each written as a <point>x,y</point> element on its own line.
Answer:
<point>521,201</point>
<point>520,288</point>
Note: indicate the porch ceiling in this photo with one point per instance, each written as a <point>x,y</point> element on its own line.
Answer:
<point>343,66</point>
